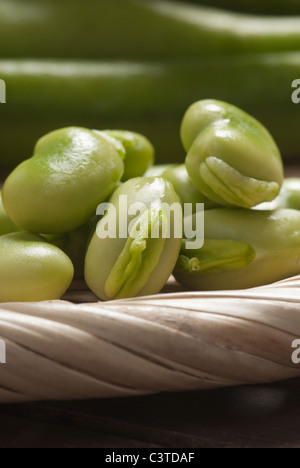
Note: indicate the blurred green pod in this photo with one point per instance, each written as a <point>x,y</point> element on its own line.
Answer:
<point>142,29</point>
<point>135,247</point>
<point>231,157</point>
<point>31,270</point>
<point>242,249</point>
<point>59,188</point>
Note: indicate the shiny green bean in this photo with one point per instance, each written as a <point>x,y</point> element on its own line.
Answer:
<point>130,253</point>
<point>242,249</point>
<point>59,188</point>
<point>231,158</point>
<point>32,270</point>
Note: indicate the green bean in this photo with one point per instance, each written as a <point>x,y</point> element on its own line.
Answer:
<point>60,187</point>
<point>31,269</point>
<point>139,259</point>
<point>242,249</point>
<point>232,159</point>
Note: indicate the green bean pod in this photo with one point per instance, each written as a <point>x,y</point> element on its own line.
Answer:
<point>135,247</point>
<point>232,158</point>
<point>242,249</point>
<point>146,97</point>
<point>136,29</point>
<point>60,187</point>
<point>31,270</point>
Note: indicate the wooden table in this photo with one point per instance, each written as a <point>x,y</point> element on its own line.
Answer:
<point>255,417</point>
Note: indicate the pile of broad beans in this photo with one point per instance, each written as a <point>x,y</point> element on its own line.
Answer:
<point>91,203</point>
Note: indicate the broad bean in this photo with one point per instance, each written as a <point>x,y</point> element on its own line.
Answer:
<point>125,258</point>
<point>59,188</point>
<point>32,270</point>
<point>242,249</point>
<point>232,158</point>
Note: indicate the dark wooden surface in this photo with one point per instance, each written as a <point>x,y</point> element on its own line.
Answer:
<point>244,417</point>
